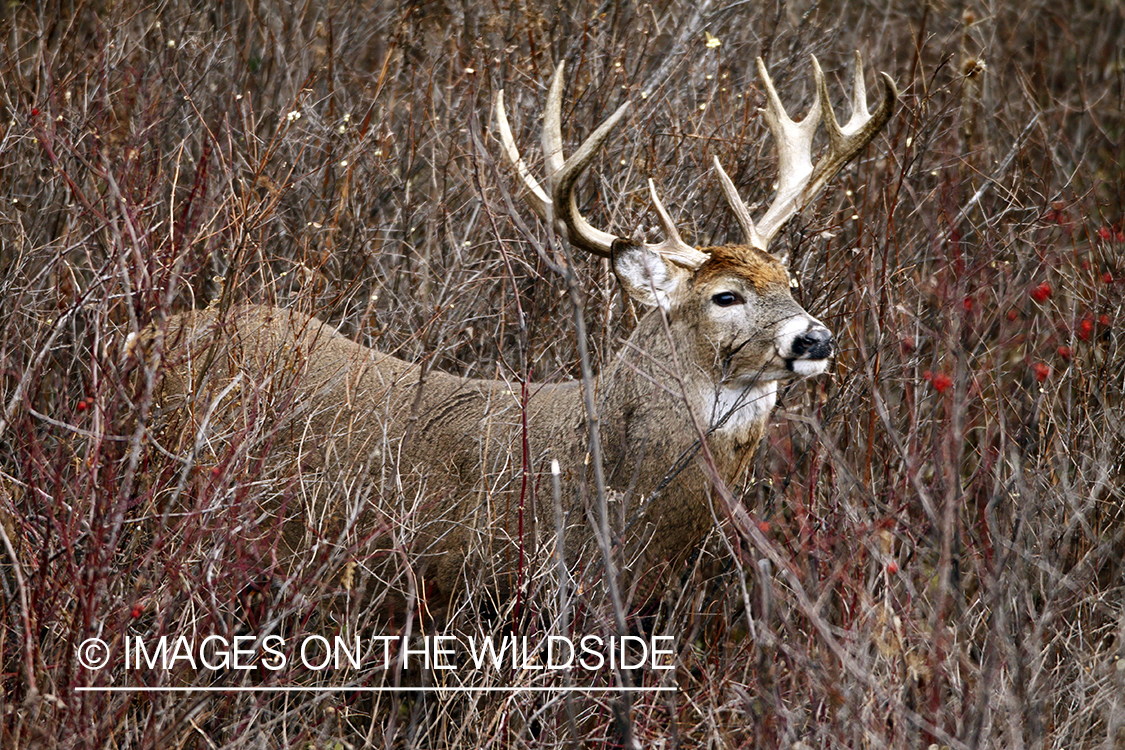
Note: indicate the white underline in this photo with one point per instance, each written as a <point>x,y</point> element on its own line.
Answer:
<point>337,689</point>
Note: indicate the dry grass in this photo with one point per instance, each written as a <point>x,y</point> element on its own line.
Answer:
<point>935,551</point>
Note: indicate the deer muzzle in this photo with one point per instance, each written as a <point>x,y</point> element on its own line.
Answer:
<point>806,352</point>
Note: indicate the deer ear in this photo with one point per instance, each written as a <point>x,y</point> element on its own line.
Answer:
<point>648,278</point>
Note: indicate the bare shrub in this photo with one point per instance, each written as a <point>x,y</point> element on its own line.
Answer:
<point>932,545</point>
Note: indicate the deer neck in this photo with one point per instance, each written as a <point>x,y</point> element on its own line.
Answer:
<point>660,364</point>
<point>657,387</point>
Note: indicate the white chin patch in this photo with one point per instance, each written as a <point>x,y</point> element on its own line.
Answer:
<point>806,368</point>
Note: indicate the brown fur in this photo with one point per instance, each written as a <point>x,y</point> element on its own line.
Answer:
<point>760,269</point>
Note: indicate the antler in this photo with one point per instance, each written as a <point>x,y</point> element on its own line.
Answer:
<point>799,180</point>
<point>557,205</point>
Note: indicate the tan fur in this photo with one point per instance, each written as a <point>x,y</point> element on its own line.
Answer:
<point>435,462</point>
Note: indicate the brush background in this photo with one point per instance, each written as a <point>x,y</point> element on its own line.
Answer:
<point>946,503</point>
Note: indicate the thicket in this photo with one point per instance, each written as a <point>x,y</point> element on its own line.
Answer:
<point>941,531</point>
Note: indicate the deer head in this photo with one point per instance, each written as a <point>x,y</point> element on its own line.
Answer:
<point>734,295</point>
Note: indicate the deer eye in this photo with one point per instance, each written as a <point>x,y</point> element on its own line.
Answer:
<point>726,299</point>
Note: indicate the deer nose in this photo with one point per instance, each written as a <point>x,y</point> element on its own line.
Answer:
<point>815,343</point>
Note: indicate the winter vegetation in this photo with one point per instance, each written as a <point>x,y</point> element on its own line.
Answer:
<point>925,551</point>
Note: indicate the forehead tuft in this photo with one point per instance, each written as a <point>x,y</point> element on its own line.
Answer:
<point>760,269</point>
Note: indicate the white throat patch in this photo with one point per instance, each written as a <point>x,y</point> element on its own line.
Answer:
<point>734,410</point>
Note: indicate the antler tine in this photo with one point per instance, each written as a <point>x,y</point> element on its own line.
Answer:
<point>798,179</point>
<point>794,139</point>
<point>552,127</point>
<point>741,212</point>
<point>538,199</point>
<point>843,145</point>
<point>673,248</point>
<point>556,205</point>
<point>794,163</point>
<point>860,114</point>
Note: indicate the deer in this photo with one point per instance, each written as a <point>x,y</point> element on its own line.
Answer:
<point>456,470</point>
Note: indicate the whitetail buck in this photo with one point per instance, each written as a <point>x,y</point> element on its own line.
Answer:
<point>433,463</point>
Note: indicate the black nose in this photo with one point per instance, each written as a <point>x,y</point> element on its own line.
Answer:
<point>813,344</point>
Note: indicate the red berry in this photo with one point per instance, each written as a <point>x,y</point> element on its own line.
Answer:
<point>1085,328</point>
<point>136,612</point>
<point>1105,233</point>
<point>1042,371</point>
<point>942,382</point>
<point>1107,278</point>
<point>1104,319</point>
<point>968,304</point>
<point>892,567</point>
<point>764,527</point>
<point>927,375</point>
<point>1041,292</point>
<point>1013,314</point>
<point>82,405</point>
<point>1065,352</point>
<point>1057,213</point>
